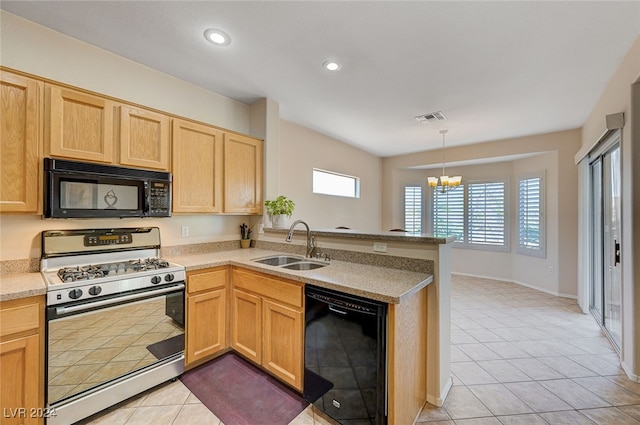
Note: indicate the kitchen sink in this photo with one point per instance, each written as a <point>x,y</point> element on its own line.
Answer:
<point>279,260</point>
<point>304,265</point>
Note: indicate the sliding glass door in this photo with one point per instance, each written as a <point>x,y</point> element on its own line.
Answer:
<point>606,273</point>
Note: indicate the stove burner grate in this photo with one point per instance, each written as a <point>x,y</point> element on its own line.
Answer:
<point>94,271</point>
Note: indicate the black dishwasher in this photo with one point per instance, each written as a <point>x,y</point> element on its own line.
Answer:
<point>345,356</point>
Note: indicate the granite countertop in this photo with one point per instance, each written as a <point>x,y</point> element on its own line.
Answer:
<point>421,238</point>
<point>21,285</point>
<point>377,283</point>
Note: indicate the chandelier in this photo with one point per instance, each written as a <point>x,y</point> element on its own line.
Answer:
<point>444,182</point>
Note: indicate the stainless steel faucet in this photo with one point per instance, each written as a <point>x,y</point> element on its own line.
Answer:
<point>310,243</point>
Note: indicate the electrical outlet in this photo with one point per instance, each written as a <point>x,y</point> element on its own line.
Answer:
<point>550,270</point>
<point>185,231</point>
<point>379,247</point>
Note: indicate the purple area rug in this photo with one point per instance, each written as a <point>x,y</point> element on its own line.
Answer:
<point>239,393</point>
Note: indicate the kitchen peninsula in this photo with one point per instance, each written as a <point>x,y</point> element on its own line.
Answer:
<point>413,277</point>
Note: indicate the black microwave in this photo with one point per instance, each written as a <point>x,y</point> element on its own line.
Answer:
<point>75,189</point>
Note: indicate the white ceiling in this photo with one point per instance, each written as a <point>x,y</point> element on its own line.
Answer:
<point>495,69</point>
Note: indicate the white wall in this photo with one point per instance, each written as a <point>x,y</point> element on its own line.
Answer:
<point>301,150</point>
<point>551,153</point>
<point>34,49</point>
<point>619,96</point>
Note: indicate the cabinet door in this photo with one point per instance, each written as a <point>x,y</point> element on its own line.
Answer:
<point>242,174</point>
<point>80,125</point>
<point>197,168</point>
<point>246,325</point>
<point>144,138</point>
<point>283,341</point>
<point>20,143</point>
<point>21,384</point>
<point>206,324</point>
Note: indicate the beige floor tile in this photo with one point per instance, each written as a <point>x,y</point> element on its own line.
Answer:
<point>499,400</point>
<point>431,413</point>
<point>470,373</point>
<point>608,390</point>
<point>437,423</point>
<point>503,371</point>
<point>460,336</point>
<point>196,414</point>
<point>156,415</point>
<point>171,393</point>
<point>571,417</point>
<point>462,403</point>
<point>567,367</point>
<point>192,399</point>
<point>537,397</point>
<point>633,411</point>
<point>506,350</point>
<point>625,382</point>
<point>304,418</point>
<point>478,352</point>
<point>535,369</point>
<point>599,363</point>
<point>609,416</point>
<point>484,335</point>
<point>528,419</point>
<point>574,394</point>
<point>118,416</point>
<point>458,356</point>
<point>478,421</point>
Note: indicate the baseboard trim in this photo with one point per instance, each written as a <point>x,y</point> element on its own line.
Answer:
<point>527,285</point>
<point>630,375</point>
<point>439,401</point>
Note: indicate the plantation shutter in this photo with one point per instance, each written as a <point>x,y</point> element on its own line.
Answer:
<point>448,213</point>
<point>530,214</point>
<point>413,209</point>
<point>486,222</point>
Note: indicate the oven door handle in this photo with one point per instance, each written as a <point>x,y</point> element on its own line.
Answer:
<point>75,308</point>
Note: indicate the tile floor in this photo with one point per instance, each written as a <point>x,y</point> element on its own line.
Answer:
<point>519,357</point>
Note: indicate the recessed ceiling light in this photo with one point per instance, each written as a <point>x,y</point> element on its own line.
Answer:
<point>217,37</point>
<point>331,66</point>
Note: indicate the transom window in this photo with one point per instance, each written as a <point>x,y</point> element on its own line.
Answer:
<point>336,184</point>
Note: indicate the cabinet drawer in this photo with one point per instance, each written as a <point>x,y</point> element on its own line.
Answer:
<point>269,287</point>
<point>206,279</point>
<point>20,316</point>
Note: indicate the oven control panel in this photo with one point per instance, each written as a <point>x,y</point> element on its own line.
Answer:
<point>108,239</point>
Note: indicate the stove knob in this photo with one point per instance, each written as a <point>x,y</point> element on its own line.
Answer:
<point>95,290</point>
<point>169,277</point>
<point>74,294</point>
<point>156,279</point>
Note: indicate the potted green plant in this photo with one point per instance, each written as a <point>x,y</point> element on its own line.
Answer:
<point>245,236</point>
<point>278,209</point>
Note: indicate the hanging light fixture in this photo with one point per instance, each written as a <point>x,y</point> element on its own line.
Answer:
<point>444,182</point>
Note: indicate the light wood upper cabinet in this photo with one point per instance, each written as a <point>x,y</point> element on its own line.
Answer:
<point>22,359</point>
<point>206,314</point>
<point>144,138</point>
<point>20,143</point>
<point>242,174</point>
<point>79,125</point>
<point>197,168</point>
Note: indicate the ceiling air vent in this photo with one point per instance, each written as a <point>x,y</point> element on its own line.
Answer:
<point>432,117</point>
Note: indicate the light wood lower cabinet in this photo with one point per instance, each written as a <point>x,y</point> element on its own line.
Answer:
<point>267,325</point>
<point>20,140</point>
<point>246,327</point>
<point>206,316</point>
<point>22,361</point>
